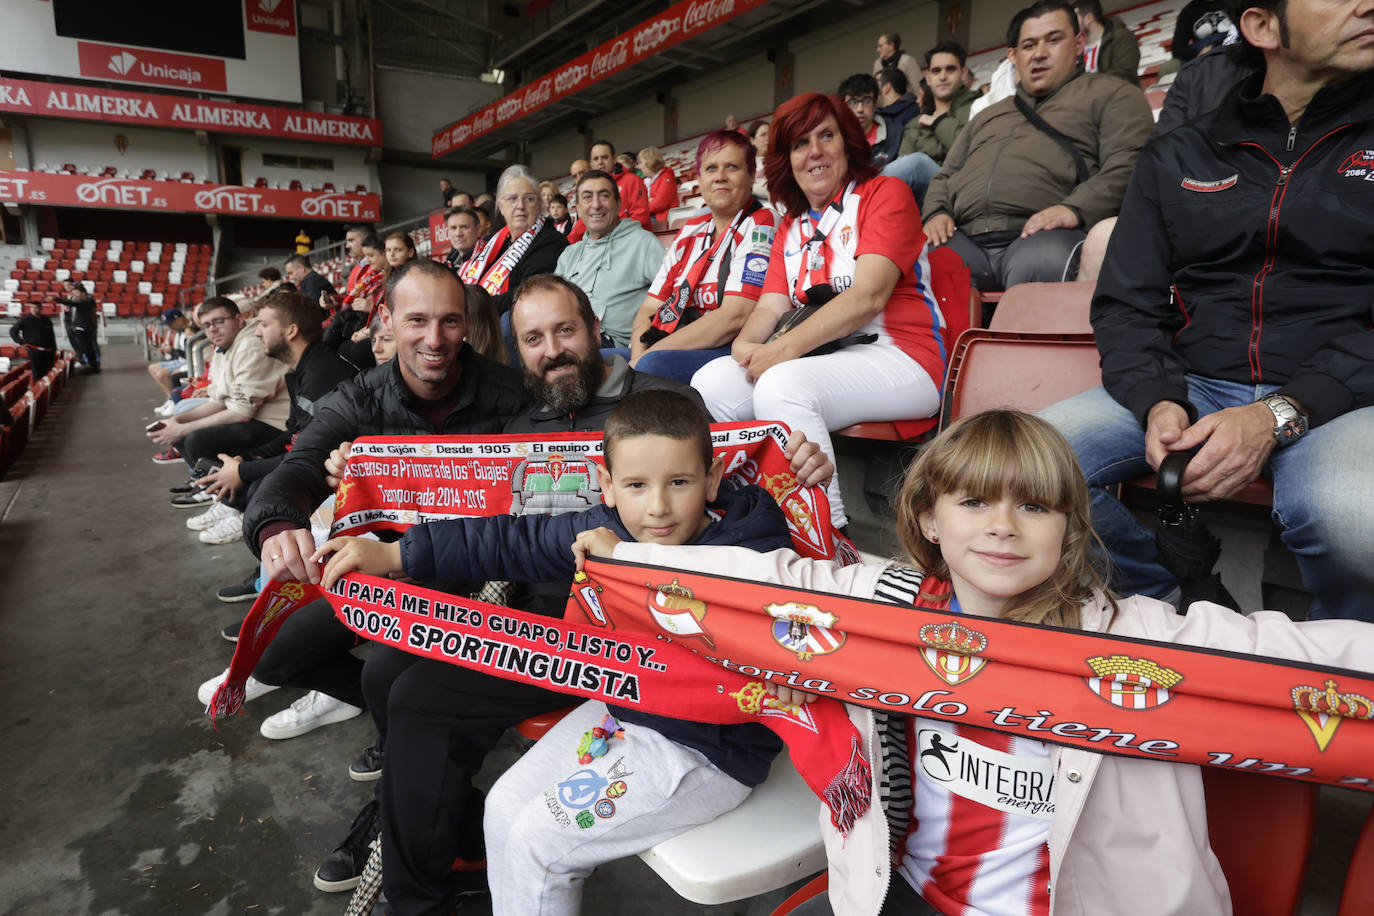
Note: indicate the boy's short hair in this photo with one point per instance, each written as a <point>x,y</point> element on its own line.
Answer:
<point>659,412</point>
<point>559,199</point>
<point>858,86</point>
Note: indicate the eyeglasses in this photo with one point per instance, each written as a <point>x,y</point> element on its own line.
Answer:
<point>217,322</point>
<point>517,198</point>
<point>860,102</point>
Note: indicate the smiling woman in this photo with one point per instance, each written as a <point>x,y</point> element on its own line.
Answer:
<point>529,243</point>
<point>851,247</point>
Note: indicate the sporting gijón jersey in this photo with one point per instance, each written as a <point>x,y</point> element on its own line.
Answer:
<point>877,217</point>
<point>744,255</point>
<point>978,841</point>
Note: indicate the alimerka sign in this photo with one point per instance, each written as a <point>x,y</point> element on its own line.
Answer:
<point>64,190</point>
<point>88,103</point>
<point>674,25</point>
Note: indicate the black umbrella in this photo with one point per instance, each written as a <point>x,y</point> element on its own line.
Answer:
<point>1186,548</point>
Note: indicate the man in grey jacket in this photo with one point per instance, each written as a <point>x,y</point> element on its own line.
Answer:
<point>1032,173</point>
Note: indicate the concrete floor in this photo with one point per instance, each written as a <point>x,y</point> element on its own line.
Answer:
<point>119,797</point>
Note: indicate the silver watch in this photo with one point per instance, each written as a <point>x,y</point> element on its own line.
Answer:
<point>1289,424</point>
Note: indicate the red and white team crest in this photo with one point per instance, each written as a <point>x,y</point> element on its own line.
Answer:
<point>804,629</point>
<point>951,651</point>
<point>1131,683</point>
<point>754,699</point>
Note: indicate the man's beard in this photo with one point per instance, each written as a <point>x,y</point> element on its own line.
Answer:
<point>569,393</point>
<point>279,350</point>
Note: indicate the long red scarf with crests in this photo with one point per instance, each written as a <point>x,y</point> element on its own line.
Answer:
<point>700,647</point>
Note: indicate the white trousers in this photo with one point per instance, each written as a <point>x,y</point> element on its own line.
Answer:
<point>551,820</point>
<point>815,394</point>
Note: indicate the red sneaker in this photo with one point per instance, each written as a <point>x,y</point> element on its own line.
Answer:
<point>171,456</point>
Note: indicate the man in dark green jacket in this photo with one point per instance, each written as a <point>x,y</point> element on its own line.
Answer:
<point>1111,47</point>
<point>934,133</point>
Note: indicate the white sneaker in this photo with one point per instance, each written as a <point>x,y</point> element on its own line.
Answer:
<point>312,711</point>
<point>166,409</point>
<point>208,517</point>
<point>225,531</point>
<point>254,689</point>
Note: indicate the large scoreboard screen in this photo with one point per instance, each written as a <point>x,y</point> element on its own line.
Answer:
<point>212,27</point>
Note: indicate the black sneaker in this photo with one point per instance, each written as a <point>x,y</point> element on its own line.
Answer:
<point>246,590</point>
<point>197,499</point>
<point>342,869</point>
<point>367,766</point>
<point>182,489</point>
<point>231,632</point>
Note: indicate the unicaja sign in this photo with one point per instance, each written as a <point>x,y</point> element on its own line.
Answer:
<point>141,65</point>
<point>120,63</point>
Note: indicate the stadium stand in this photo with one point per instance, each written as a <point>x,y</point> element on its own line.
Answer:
<point>129,278</point>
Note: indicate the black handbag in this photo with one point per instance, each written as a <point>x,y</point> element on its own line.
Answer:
<point>816,297</point>
<point>1186,547</point>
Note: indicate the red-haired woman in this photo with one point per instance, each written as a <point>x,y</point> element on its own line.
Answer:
<point>850,243</point>
<point>713,273</point>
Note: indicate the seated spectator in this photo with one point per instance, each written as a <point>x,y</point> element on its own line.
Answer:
<point>484,324</point>
<point>558,212</point>
<point>247,405</point>
<point>616,261</point>
<point>1202,26</point>
<point>634,200</point>
<point>1025,181</point>
<point>353,254</point>
<point>271,279</point>
<point>85,323</point>
<point>758,139</point>
<point>897,105</point>
<point>731,122</point>
<point>575,171</point>
<point>934,133</point>
<point>310,283</point>
<point>383,341</point>
<point>547,190</point>
<point>399,248</point>
<point>657,448</point>
<point>528,245</point>
<point>1224,330</point>
<point>851,247</point>
<point>660,181</point>
<point>461,223</point>
<point>713,273</point>
<point>627,163</point>
<point>1110,47</point>
<point>485,222</point>
<point>461,199</point>
<point>446,191</point>
<point>890,54</point>
<point>165,371</point>
<point>34,331</point>
<point>368,291</point>
<point>860,93</point>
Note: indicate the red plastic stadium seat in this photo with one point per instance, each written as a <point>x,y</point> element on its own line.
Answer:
<point>533,728</point>
<point>1261,829</point>
<point>147,175</point>
<point>991,369</point>
<point>811,889</point>
<point>295,184</point>
<point>1045,308</point>
<point>1358,897</point>
<point>260,183</point>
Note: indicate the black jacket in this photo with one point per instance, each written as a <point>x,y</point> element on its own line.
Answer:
<point>540,258</point>
<point>34,330</point>
<point>318,372</point>
<point>377,403</point>
<point>314,283</point>
<point>541,419</point>
<point>511,547</point>
<point>82,312</point>
<point>1243,253</point>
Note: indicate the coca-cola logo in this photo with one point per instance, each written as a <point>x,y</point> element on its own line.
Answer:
<point>508,108</point>
<point>708,12</point>
<point>611,59</point>
<point>570,77</point>
<point>461,133</point>
<point>655,34</point>
<point>484,121</point>
<point>538,94</point>
<point>115,192</point>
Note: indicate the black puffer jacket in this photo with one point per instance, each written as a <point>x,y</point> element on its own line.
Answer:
<point>1243,253</point>
<point>377,403</point>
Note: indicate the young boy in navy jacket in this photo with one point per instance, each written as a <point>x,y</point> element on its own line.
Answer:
<point>551,819</point>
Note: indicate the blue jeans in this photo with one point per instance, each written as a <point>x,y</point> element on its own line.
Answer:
<point>917,170</point>
<point>1323,494</point>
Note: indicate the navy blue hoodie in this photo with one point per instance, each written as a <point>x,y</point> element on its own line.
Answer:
<point>539,548</point>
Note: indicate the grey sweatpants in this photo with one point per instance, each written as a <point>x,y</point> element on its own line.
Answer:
<point>551,820</point>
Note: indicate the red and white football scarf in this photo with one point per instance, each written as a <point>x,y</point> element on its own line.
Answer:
<point>810,263</point>
<point>699,647</point>
<point>393,482</point>
<point>495,278</point>
<point>684,276</point>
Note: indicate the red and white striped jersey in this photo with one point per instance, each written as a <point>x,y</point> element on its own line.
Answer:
<point>1090,55</point>
<point>978,841</point>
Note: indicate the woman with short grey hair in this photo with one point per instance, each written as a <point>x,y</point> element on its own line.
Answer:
<point>529,243</point>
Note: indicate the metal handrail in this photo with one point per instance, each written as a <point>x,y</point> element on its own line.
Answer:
<point>237,281</point>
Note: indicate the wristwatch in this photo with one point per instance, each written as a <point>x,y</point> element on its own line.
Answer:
<point>1289,424</point>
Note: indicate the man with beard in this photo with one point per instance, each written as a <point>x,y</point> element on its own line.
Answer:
<point>439,721</point>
